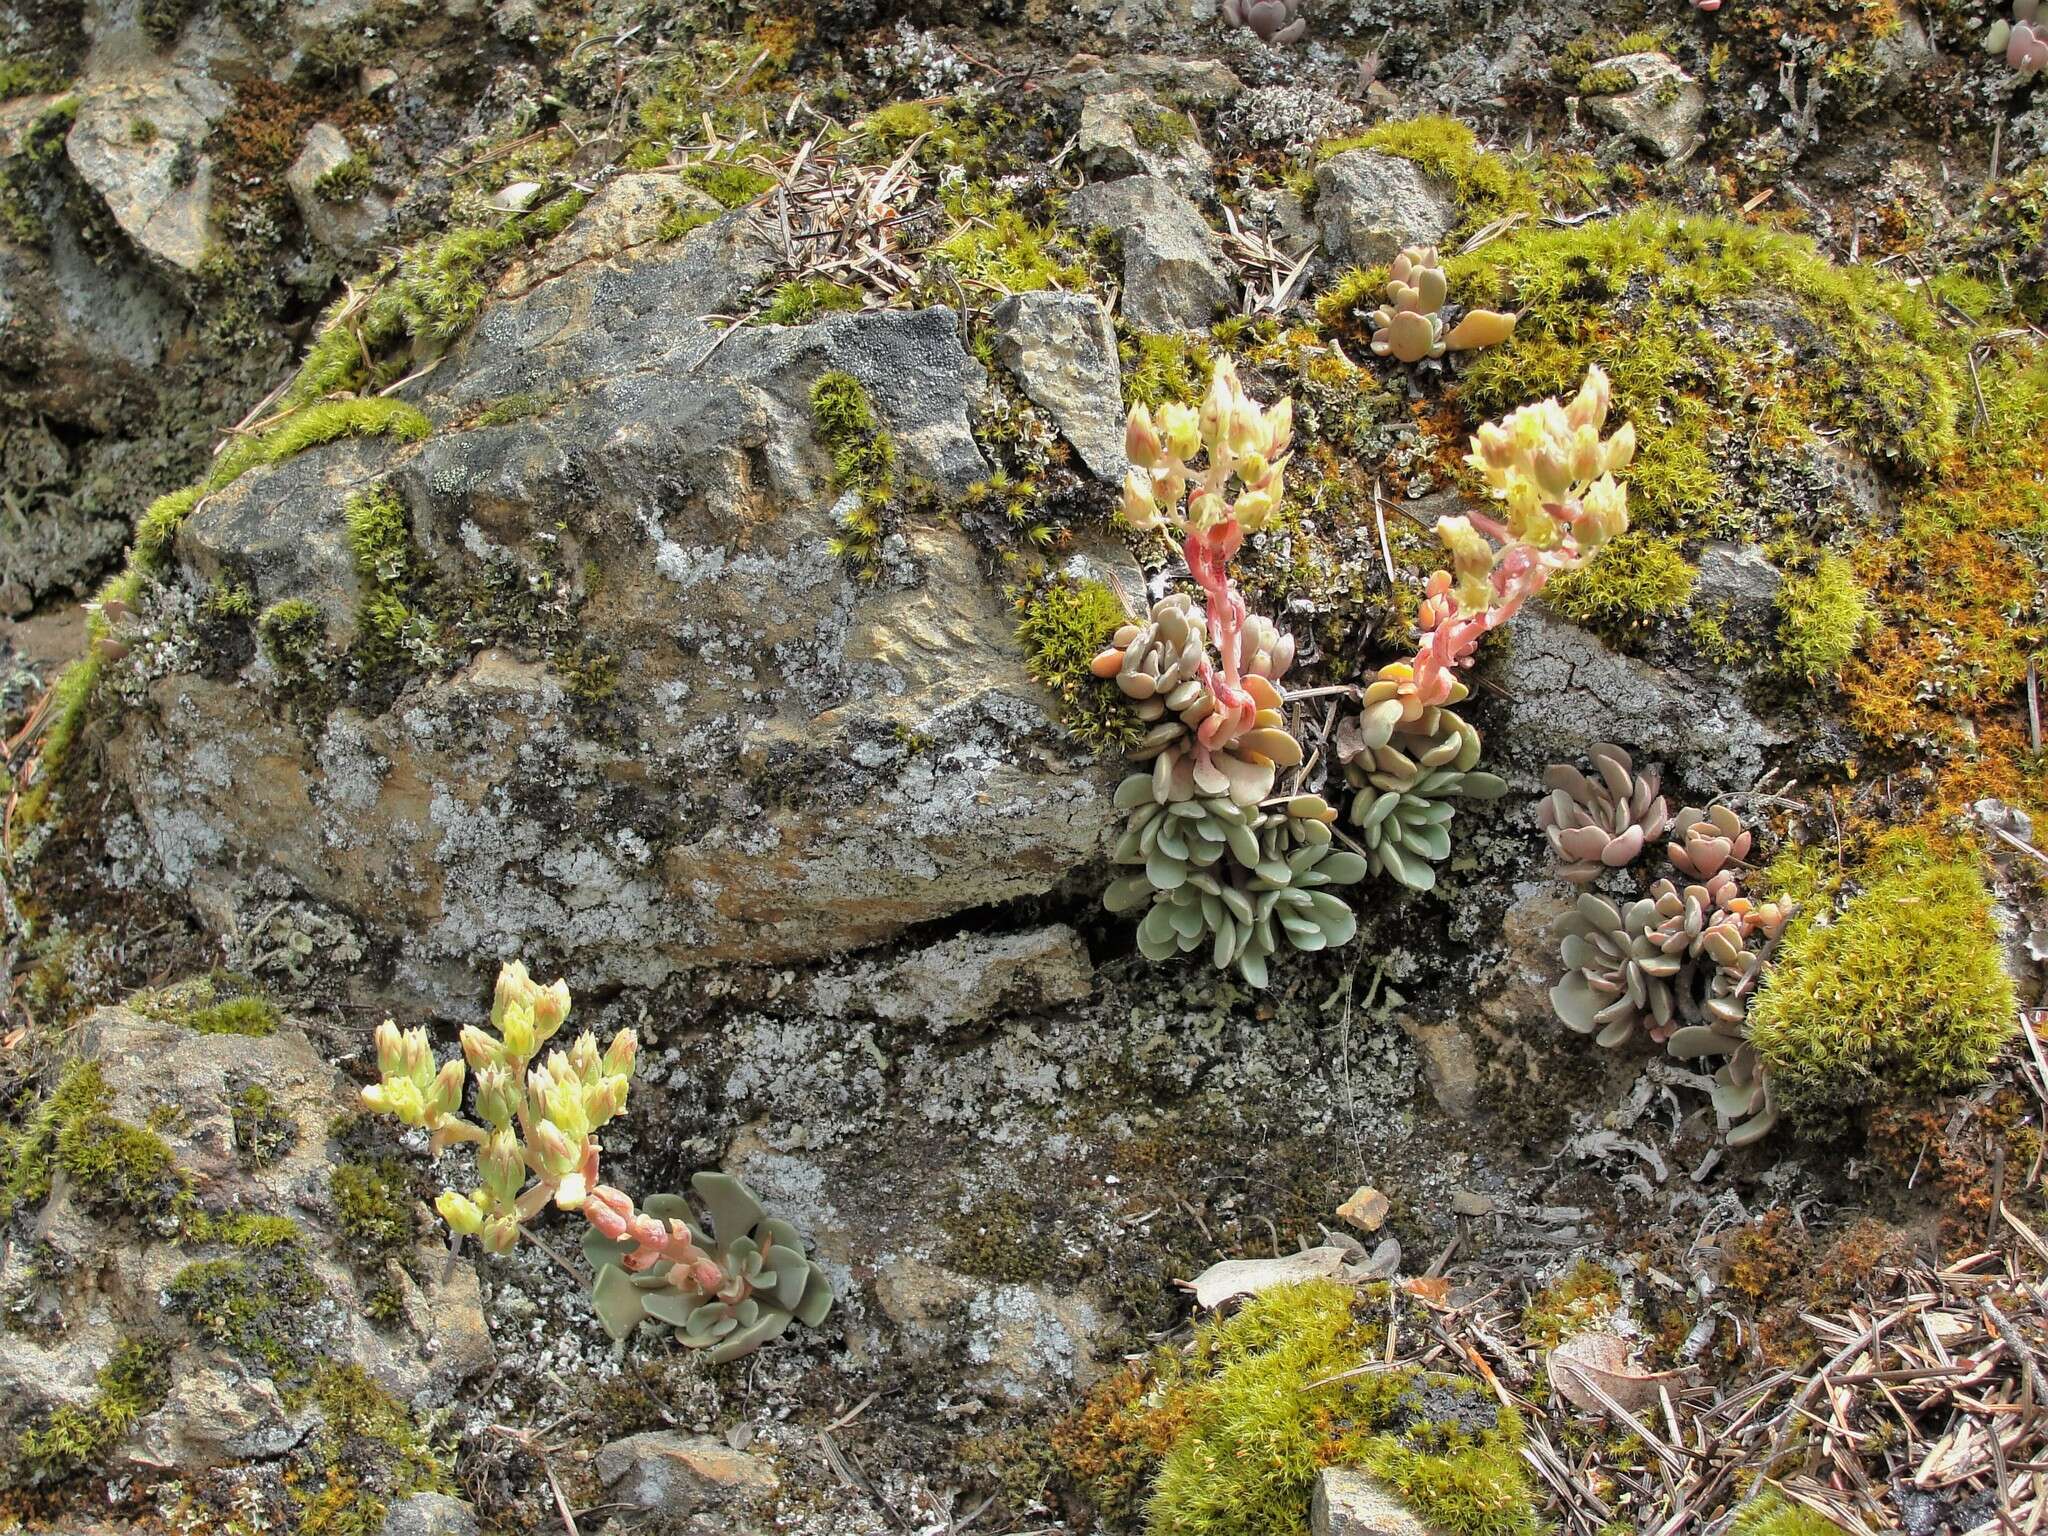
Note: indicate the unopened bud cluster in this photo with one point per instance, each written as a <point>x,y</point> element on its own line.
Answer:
<point>538,1138</point>
<point>1244,441</point>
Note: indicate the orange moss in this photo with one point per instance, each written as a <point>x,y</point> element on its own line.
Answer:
<point>1957,1174</point>
<point>1113,1445</point>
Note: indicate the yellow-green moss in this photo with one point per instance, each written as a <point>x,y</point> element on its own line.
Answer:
<point>294,633</point>
<point>794,303</point>
<point>1622,591</point>
<point>863,465</point>
<point>28,77</point>
<point>1587,1294</point>
<point>1064,625</point>
<point>220,1003</point>
<point>1651,296</point>
<point>264,1132</point>
<point>1485,186</point>
<point>1161,368</point>
<point>1903,995</point>
<point>679,221</point>
<point>1260,1410</point>
<point>72,1439</point>
<point>1003,251</point>
<point>250,1302</point>
<point>373,1204</point>
<point>1773,1514</point>
<point>367,1452</point>
<point>728,183</point>
<point>1821,617</point>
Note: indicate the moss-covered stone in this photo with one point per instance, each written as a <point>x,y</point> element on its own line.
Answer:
<point>367,1452</point>
<point>73,1439</point>
<point>1485,186</point>
<point>264,1132</point>
<point>1623,591</point>
<point>863,465</point>
<point>217,1004</point>
<point>1063,626</point>
<point>373,1205</point>
<point>250,1302</point>
<point>1903,995</point>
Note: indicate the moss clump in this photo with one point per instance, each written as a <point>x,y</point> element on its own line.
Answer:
<point>1484,186</point>
<point>1264,1409</point>
<point>995,1240</point>
<point>366,1453</point>
<point>72,1440</point>
<point>1161,128</point>
<point>679,221</point>
<point>219,1004</point>
<point>250,1302</point>
<point>1003,251</point>
<point>114,1166</point>
<point>1618,594</point>
<point>519,407</point>
<point>28,77</point>
<point>1773,1514</point>
<point>30,185</point>
<point>863,465</point>
<point>263,1131</point>
<point>1587,1294</point>
<point>294,634</point>
<point>728,183</point>
<point>345,182</point>
<point>1821,617</point>
<point>806,299</point>
<point>898,125</point>
<point>1902,996</point>
<point>1162,368</point>
<point>1063,626</point>
<point>373,1205</point>
<point>380,540</point>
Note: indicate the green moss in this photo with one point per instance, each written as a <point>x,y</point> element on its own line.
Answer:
<point>679,221</point>
<point>1618,594</point>
<point>899,124</point>
<point>863,465</point>
<point>1161,368</point>
<point>250,1302</point>
<point>1065,625</point>
<point>294,634</point>
<point>995,1240</point>
<point>1273,1394</point>
<point>1903,995</point>
<point>25,76</point>
<point>1772,1514</point>
<point>113,1168</point>
<point>30,182</point>
<point>264,1132</point>
<point>221,1003</point>
<point>366,1453</point>
<point>806,299</point>
<point>345,182</point>
<point>1821,617</point>
<point>1485,186</point>
<point>519,407</point>
<point>1004,252</point>
<point>134,1382</point>
<point>1161,128</point>
<point>1587,1294</point>
<point>729,184</point>
<point>373,1205</point>
<point>1685,314</point>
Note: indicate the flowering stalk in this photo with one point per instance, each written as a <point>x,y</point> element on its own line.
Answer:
<point>1245,441</point>
<point>539,1122</point>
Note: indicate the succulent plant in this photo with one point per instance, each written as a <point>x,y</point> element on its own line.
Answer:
<point>1742,1088</point>
<point>1603,822</point>
<point>728,1291</point>
<point>1275,21</point>
<point>539,1122</point>
<point>1237,880</point>
<point>2023,40</point>
<point>1617,976</point>
<point>1409,326</point>
<point>1703,842</point>
<point>1406,772</point>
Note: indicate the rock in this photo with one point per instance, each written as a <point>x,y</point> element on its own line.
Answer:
<point>136,142</point>
<point>1173,276</point>
<point>1023,1343</point>
<point>1450,1065</point>
<point>1370,205</point>
<point>1466,1202</point>
<point>1199,82</point>
<point>1661,111</point>
<point>1903,54</point>
<point>963,980</point>
<point>188,1089</point>
<point>346,225</point>
<point>1568,691</point>
<point>1737,574</point>
<point>1063,351</point>
<point>1127,133</point>
<point>628,211</point>
<point>1366,1209</point>
<point>660,1471</point>
<point>430,1514</point>
<point>788,760</point>
<point>1348,1503</point>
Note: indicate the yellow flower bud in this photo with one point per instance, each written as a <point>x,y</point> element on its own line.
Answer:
<point>1141,438</point>
<point>620,1054</point>
<point>1182,428</point>
<point>514,986</point>
<point>446,1097</point>
<point>460,1212</point>
<point>1621,448</point>
<point>501,1234</point>
<point>550,1009</point>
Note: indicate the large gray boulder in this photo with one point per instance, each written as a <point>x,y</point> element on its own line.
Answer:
<point>668,726</point>
<point>1173,275</point>
<point>136,142</point>
<point>1369,205</point>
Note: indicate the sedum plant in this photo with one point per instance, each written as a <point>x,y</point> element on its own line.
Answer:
<point>1678,964</point>
<point>539,1122</point>
<point>1405,784</point>
<point>1275,21</point>
<point>1603,821</point>
<point>2023,40</point>
<point>1409,326</point>
<point>729,1290</point>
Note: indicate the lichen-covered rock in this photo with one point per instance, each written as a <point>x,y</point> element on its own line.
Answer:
<point>679,1475</point>
<point>1661,111</point>
<point>687,732</point>
<point>1173,273</point>
<point>1128,133</point>
<point>1369,205</point>
<point>1063,351</point>
<point>430,1514</point>
<point>136,142</point>
<point>345,219</point>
